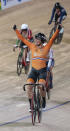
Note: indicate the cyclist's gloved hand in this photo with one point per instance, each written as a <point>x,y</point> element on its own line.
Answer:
<point>14,27</point>
<point>15,46</point>
<point>14,49</point>
<point>48,69</point>
<point>49,22</point>
<point>59,27</point>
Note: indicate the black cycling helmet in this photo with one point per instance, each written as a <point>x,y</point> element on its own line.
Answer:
<point>41,37</point>
<point>57,5</point>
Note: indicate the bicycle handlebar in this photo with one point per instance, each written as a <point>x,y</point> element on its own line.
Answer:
<point>33,85</point>
<point>16,46</point>
<point>56,22</point>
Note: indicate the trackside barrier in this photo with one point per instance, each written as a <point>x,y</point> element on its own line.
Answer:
<point>9,3</point>
<point>0,4</point>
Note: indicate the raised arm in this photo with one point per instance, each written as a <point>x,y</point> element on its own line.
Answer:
<point>29,44</point>
<point>48,46</point>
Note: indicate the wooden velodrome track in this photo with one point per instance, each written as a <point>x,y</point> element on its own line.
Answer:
<point>14,115</point>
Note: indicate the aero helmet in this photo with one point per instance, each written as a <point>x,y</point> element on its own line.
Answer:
<point>57,5</point>
<point>41,37</point>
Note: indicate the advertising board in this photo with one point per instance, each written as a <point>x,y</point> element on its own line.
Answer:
<point>9,3</point>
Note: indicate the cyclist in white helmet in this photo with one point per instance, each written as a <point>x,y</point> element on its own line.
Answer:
<point>27,33</point>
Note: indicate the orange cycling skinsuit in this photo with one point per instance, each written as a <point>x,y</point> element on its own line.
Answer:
<point>38,55</point>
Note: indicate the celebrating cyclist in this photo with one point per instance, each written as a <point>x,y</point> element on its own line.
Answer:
<point>27,33</point>
<point>58,13</point>
<point>39,53</point>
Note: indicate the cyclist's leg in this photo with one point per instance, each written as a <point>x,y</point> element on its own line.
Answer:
<point>63,18</point>
<point>31,80</point>
<point>22,52</point>
<point>56,18</point>
<point>29,91</point>
<point>62,29</point>
<point>43,92</point>
<point>42,80</point>
<point>51,79</point>
<point>28,55</point>
<point>25,53</point>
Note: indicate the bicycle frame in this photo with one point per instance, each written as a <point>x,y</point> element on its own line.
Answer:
<point>21,63</point>
<point>36,102</point>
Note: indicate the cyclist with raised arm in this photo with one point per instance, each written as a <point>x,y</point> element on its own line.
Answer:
<point>27,33</point>
<point>58,13</point>
<point>39,53</point>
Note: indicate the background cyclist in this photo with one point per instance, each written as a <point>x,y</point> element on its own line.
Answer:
<point>58,13</point>
<point>39,53</point>
<point>27,33</point>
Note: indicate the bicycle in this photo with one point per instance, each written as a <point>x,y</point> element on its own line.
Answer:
<point>60,35</point>
<point>21,63</point>
<point>36,102</point>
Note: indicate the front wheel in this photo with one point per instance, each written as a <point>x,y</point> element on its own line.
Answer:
<point>51,33</point>
<point>58,38</point>
<point>33,109</point>
<point>39,97</point>
<point>19,65</point>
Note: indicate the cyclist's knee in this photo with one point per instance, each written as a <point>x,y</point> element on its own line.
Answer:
<point>29,88</point>
<point>30,80</point>
<point>42,81</point>
<point>29,91</point>
<point>64,17</point>
<point>43,91</point>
